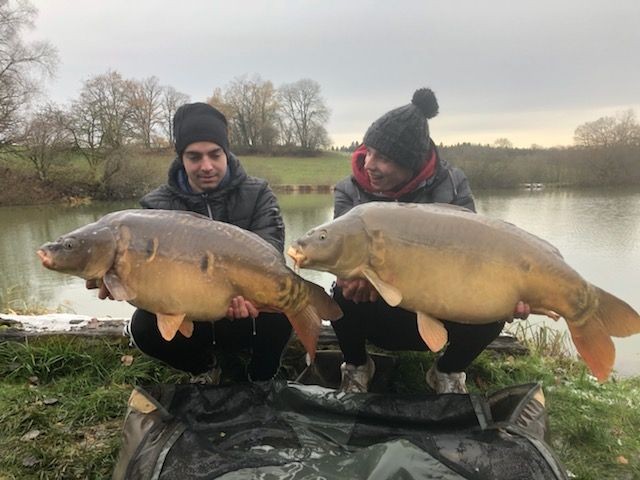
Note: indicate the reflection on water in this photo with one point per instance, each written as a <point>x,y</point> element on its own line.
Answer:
<point>598,233</point>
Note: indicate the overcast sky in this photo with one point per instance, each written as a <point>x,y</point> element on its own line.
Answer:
<point>530,71</point>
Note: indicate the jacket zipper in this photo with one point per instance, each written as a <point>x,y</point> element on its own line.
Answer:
<point>206,202</point>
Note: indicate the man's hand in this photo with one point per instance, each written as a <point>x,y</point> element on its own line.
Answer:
<point>522,310</point>
<point>241,308</point>
<point>103,292</point>
<point>358,290</point>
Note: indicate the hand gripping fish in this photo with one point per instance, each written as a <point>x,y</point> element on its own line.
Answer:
<point>185,267</point>
<point>446,262</point>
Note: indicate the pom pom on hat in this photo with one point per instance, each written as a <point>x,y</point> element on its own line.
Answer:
<point>425,100</point>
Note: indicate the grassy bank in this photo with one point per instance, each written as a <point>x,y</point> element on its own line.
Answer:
<point>324,170</point>
<point>138,171</point>
<point>62,403</point>
<point>71,180</point>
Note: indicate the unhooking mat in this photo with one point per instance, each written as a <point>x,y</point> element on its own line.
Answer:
<point>286,430</point>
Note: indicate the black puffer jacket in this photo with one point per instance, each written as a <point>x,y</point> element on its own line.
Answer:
<point>448,185</point>
<point>244,201</point>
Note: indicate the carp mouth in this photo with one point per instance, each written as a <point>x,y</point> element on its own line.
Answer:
<point>45,258</point>
<point>298,257</point>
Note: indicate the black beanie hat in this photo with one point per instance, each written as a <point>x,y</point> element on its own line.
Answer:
<point>402,134</point>
<point>199,122</point>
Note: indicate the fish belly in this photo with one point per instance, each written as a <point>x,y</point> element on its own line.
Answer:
<point>470,287</point>
<point>174,288</point>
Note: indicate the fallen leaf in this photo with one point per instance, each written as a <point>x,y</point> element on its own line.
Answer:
<point>34,380</point>
<point>127,360</point>
<point>30,461</point>
<point>50,401</point>
<point>30,435</point>
<point>622,460</point>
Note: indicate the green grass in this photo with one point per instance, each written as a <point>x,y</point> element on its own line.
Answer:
<point>74,391</point>
<point>326,169</point>
<point>69,395</point>
<point>71,179</point>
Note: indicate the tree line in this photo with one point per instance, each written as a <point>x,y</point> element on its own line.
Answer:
<point>111,112</point>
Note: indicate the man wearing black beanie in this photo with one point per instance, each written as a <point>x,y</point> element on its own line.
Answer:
<point>398,161</point>
<point>206,178</point>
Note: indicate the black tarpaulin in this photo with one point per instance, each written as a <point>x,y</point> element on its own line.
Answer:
<point>294,431</point>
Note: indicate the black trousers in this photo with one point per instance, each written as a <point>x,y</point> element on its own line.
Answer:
<point>393,328</point>
<point>196,354</point>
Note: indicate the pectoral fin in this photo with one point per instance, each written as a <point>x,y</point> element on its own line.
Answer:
<point>186,328</point>
<point>117,288</point>
<point>391,294</point>
<point>432,332</point>
<point>170,324</point>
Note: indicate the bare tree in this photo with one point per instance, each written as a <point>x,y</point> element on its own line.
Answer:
<point>611,146</point>
<point>22,64</point>
<point>252,107</point>
<point>286,133</point>
<point>171,100</point>
<point>146,109</point>
<point>84,126</point>
<point>503,143</point>
<point>621,130</point>
<point>109,94</point>
<point>44,139</point>
<point>304,110</point>
<point>100,121</point>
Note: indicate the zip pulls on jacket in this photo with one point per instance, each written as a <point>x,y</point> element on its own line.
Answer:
<point>205,197</point>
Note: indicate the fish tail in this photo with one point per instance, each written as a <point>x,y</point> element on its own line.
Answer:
<point>307,321</point>
<point>619,319</point>
<point>594,345</point>
<point>592,334</point>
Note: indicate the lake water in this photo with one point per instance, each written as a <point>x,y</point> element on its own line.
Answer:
<point>597,231</point>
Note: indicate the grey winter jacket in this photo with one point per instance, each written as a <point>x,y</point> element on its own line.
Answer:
<point>448,185</point>
<point>244,201</point>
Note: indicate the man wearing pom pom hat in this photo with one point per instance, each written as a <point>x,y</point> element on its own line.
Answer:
<point>398,161</point>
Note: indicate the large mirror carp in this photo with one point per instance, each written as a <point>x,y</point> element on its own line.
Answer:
<point>185,267</point>
<point>446,262</point>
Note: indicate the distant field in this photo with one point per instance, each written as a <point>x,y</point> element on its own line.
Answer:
<point>326,169</point>
<point>139,172</point>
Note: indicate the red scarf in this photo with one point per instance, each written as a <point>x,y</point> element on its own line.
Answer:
<point>359,173</point>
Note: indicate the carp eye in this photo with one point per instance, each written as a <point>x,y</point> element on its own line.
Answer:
<point>323,235</point>
<point>68,244</point>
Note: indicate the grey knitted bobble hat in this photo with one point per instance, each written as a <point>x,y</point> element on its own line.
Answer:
<point>402,134</point>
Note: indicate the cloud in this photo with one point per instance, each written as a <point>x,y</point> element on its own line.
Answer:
<point>491,63</point>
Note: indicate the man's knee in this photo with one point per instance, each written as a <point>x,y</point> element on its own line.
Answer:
<point>143,325</point>
<point>278,325</point>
